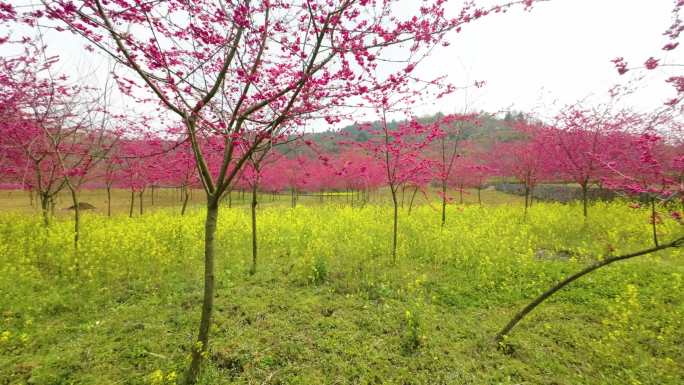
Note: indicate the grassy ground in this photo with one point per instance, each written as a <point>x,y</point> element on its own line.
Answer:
<point>326,305</point>
<point>20,201</point>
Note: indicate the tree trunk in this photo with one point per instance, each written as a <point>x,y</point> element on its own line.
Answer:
<point>548,293</point>
<point>45,208</point>
<point>201,345</point>
<point>444,202</point>
<point>531,196</point>
<point>654,217</point>
<point>31,196</point>
<point>77,219</point>
<point>394,229</point>
<point>130,212</point>
<point>413,196</point>
<point>52,205</point>
<point>479,195</point>
<point>527,196</point>
<point>109,200</point>
<point>584,199</point>
<point>185,201</point>
<point>152,194</point>
<point>141,201</point>
<point>403,193</point>
<point>252,269</point>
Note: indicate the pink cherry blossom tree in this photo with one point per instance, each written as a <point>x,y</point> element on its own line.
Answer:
<point>400,153</point>
<point>23,111</point>
<point>260,160</point>
<point>525,160</point>
<point>640,167</point>
<point>448,152</point>
<point>284,60</point>
<point>580,137</point>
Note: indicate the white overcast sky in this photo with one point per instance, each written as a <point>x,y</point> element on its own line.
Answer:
<point>538,61</point>
<point>559,52</point>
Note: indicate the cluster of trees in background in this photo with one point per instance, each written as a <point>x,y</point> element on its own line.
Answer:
<point>627,152</point>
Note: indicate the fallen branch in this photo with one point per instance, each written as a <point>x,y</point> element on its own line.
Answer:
<point>548,293</point>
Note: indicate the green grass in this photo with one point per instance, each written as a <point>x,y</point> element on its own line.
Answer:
<point>326,305</point>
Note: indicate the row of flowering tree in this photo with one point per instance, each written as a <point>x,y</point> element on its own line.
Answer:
<point>565,153</point>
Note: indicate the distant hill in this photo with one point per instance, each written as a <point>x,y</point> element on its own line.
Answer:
<point>490,129</point>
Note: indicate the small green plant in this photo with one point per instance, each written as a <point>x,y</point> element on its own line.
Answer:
<point>318,273</point>
<point>412,339</point>
<point>375,291</point>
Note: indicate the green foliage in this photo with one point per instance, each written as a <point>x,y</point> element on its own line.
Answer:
<point>412,338</point>
<point>328,306</point>
<point>318,271</point>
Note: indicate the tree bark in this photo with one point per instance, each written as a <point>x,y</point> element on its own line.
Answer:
<point>52,206</point>
<point>252,269</point>
<point>527,197</point>
<point>403,193</point>
<point>584,200</point>
<point>201,345</point>
<point>77,220</point>
<point>394,229</point>
<point>45,208</point>
<point>444,202</point>
<point>141,201</point>
<point>548,293</point>
<point>130,211</point>
<point>413,196</point>
<point>653,222</point>
<point>109,200</point>
<point>185,201</point>
<point>531,195</point>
